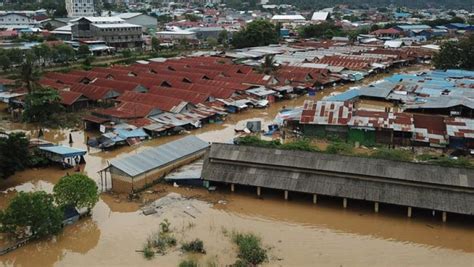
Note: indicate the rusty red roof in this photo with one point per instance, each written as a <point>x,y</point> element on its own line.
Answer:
<point>185,95</point>
<point>94,92</point>
<point>119,86</point>
<point>164,103</point>
<point>326,112</point>
<point>68,98</point>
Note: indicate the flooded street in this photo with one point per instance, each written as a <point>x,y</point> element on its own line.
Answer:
<point>296,232</point>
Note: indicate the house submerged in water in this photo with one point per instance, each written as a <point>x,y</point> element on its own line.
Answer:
<point>133,173</point>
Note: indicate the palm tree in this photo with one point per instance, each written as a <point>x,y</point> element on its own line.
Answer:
<point>269,65</point>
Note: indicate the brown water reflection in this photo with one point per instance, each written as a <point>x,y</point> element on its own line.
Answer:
<point>299,233</point>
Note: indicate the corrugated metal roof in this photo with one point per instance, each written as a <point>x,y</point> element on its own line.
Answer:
<point>64,151</point>
<point>157,157</point>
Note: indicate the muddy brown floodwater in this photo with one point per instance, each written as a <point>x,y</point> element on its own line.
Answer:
<point>296,232</point>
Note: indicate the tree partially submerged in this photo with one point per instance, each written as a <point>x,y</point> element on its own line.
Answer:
<point>14,154</point>
<point>41,105</point>
<point>76,190</point>
<point>31,214</point>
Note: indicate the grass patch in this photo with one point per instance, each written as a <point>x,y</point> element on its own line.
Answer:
<point>251,252</point>
<point>340,148</point>
<point>393,154</point>
<point>195,246</point>
<point>302,144</point>
<point>188,263</point>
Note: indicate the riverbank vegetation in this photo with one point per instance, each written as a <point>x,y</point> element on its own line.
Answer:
<point>250,251</point>
<point>159,242</point>
<point>15,155</point>
<point>39,214</point>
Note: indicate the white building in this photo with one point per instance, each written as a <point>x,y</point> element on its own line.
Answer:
<point>296,19</point>
<point>80,8</point>
<point>16,21</point>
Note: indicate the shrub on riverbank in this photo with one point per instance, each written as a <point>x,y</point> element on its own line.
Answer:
<point>251,252</point>
<point>195,246</point>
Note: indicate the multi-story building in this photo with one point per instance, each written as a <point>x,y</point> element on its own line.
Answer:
<point>80,8</point>
<point>112,30</point>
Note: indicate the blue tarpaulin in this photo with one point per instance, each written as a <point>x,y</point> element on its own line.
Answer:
<point>64,151</point>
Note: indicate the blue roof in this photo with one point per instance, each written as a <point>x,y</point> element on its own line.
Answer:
<point>64,151</point>
<point>413,27</point>
<point>125,133</point>
<point>347,95</point>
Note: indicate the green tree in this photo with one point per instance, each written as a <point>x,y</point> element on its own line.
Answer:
<point>257,33</point>
<point>192,17</point>
<point>5,62</point>
<point>76,190</point>
<point>83,51</point>
<point>41,105</point>
<point>31,214</point>
<point>223,38</point>
<point>42,53</point>
<point>29,73</point>
<point>323,30</point>
<point>155,44</point>
<point>63,53</point>
<point>212,42</point>
<point>454,55</point>
<point>14,155</point>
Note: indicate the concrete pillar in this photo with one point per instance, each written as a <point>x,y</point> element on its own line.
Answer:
<point>315,199</point>
<point>232,187</point>
<point>258,190</point>
<point>445,216</point>
<point>409,212</point>
<point>286,194</point>
<point>344,202</point>
<point>376,207</point>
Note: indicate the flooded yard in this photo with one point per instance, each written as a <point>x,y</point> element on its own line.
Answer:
<point>295,232</point>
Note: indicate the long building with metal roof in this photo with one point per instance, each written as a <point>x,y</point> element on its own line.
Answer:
<point>382,181</point>
<point>132,173</point>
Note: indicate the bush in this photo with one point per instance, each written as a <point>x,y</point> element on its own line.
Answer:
<point>188,263</point>
<point>148,252</point>
<point>196,246</point>
<point>339,148</point>
<point>161,241</point>
<point>256,141</point>
<point>250,250</point>
<point>393,154</point>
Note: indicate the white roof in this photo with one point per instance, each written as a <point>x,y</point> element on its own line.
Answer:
<point>288,17</point>
<point>101,19</point>
<point>129,15</point>
<point>177,33</point>
<point>393,44</point>
<point>116,25</point>
<point>320,15</point>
